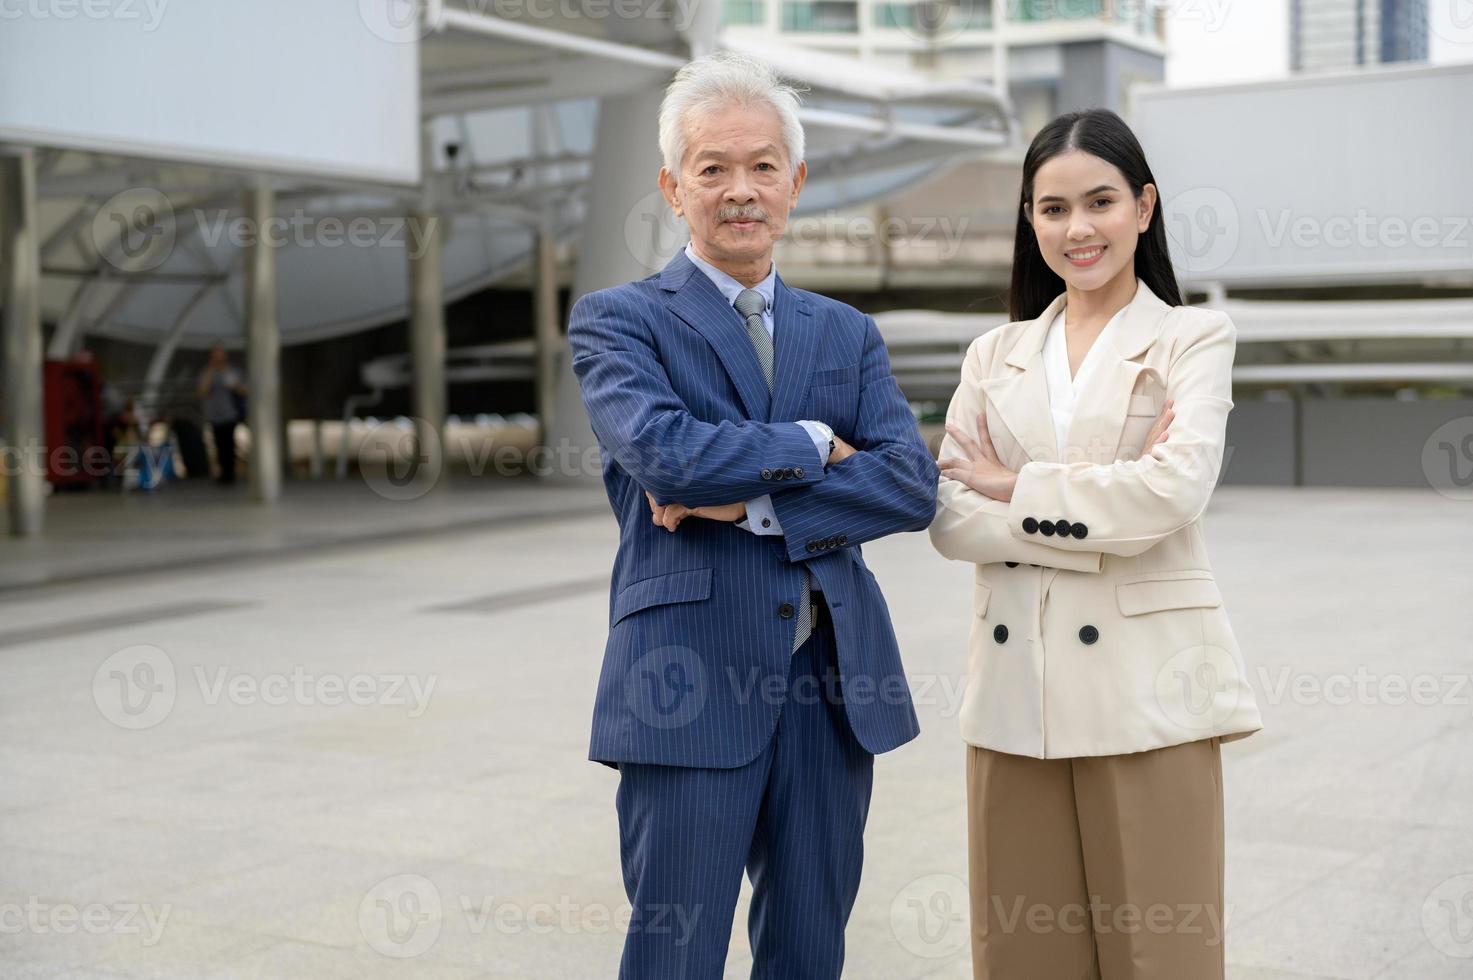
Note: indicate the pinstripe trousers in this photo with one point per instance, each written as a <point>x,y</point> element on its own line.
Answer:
<point>793,817</point>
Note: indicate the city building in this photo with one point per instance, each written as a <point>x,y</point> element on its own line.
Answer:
<point>1334,35</point>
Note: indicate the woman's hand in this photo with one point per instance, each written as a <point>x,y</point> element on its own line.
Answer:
<point>1158,433</point>
<point>980,469</point>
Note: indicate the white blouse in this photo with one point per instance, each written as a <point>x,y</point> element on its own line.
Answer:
<point>1062,388</point>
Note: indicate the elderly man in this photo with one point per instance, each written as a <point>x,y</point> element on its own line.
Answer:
<point>752,438</point>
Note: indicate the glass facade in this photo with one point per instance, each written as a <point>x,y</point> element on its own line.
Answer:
<point>913,16</point>
<point>968,15</point>
<point>830,16</point>
<point>1139,14</point>
<point>743,12</point>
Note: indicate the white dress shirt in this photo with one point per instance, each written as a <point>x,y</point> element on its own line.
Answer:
<point>761,518</point>
<point>1061,387</point>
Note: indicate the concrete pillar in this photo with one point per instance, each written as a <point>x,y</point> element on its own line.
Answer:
<point>263,348</point>
<point>427,345</point>
<point>629,232</point>
<point>548,317</point>
<point>20,322</point>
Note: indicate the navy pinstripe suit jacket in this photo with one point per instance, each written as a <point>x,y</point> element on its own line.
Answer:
<point>696,662</point>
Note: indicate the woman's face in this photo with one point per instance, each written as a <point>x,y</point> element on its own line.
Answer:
<point>1086,220</point>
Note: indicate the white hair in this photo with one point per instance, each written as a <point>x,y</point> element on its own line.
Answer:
<point>718,81</point>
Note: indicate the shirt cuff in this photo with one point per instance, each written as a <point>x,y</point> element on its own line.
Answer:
<point>820,441</point>
<point>761,518</point>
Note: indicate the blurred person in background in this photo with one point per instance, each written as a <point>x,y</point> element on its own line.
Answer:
<point>222,393</point>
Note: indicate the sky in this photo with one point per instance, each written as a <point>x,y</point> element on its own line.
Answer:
<point>1215,41</point>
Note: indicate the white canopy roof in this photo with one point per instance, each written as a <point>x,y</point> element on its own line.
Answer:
<point>520,101</point>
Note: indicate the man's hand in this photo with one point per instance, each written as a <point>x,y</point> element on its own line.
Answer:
<point>980,469</point>
<point>842,451</point>
<point>670,515</point>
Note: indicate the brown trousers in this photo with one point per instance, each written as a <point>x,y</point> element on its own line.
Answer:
<point>1097,867</point>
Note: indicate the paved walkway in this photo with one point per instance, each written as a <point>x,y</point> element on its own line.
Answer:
<point>367,760</point>
<point>107,535</point>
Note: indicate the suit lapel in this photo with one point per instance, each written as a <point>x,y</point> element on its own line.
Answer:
<point>696,300</point>
<point>1021,399</point>
<point>795,346</point>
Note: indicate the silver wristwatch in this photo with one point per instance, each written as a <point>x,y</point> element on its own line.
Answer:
<point>828,432</point>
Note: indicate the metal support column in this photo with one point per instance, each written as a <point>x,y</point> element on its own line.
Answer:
<point>20,322</point>
<point>263,348</point>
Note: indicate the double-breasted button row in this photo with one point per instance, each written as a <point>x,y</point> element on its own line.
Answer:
<point>1087,634</point>
<point>1060,527</point>
<point>824,544</point>
<point>784,473</point>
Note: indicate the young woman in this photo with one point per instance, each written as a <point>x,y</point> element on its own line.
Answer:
<point>1081,448</point>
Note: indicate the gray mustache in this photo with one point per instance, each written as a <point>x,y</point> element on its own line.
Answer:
<point>745,212</point>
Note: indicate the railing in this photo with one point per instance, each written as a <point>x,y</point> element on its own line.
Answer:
<point>927,347</point>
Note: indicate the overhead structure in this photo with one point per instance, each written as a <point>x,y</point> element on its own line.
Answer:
<point>413,154</point>
<point>512,108</point>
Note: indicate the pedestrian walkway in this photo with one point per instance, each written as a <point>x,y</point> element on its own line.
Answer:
<point>368,759</point>
<point>196,523</point>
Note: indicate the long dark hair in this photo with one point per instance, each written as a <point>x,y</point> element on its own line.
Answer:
<point>1104,134</point>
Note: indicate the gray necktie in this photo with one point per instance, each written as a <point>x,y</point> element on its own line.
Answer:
<point>750,304</point>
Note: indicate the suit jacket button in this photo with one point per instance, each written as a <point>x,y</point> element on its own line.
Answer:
<point>767,522</point>
<point>1088,634</point>
<point>843,540</point>
<point>1030,525</point>
<point>1079,529</point>
<point>785,610</point>
<point>1062,528</point>
<point>1000,633</point>
<point>812,546</point>
<point>1011,564</point>
<point>798,472</point>
<point>1046,528</point>
<point>831,543</point>
<point>767,474</point>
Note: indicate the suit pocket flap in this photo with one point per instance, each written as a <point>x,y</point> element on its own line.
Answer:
<point>1166,590</point>
<point>686,586</point>
<point>836,376</point>
<point>1141,405</point>
<point>981,592</point>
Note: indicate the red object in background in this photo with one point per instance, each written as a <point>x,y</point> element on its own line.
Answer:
<point>73,411</point>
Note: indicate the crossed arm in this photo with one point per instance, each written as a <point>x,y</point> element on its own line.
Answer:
<point>642,423</point>
<point>883,483</point>
<point>1128,505</point>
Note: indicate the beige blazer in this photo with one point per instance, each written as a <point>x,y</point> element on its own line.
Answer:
<point>1098,627</point>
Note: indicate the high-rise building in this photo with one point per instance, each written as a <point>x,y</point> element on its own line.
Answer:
<point>1055,55</point>
<point>1333,35</point>
<point>954,229</point>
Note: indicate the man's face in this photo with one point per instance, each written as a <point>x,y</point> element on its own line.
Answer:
<point>217,357</point>
<point>736,184</point>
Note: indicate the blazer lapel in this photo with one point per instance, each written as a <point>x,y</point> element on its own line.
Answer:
<point>1100,406</point>
<point>795,340</point>
<point>696,300</point>
<point>1022,399</point>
